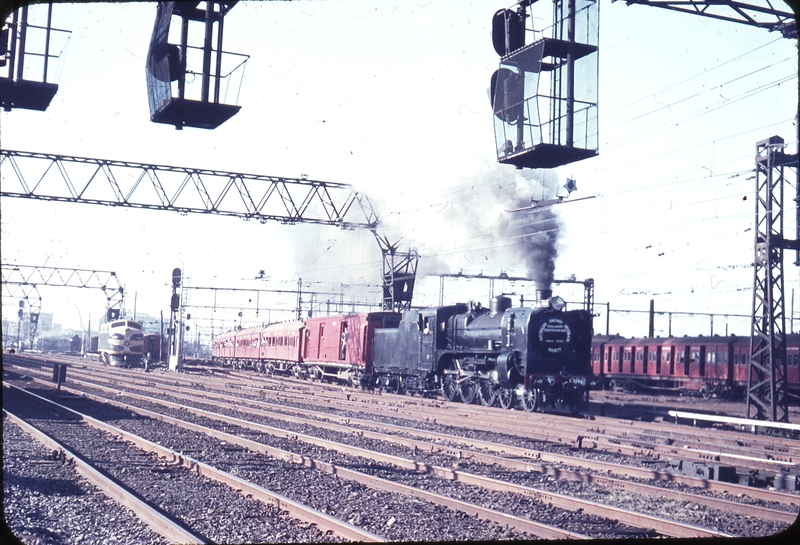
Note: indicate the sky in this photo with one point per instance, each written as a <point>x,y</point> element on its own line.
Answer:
<point>393,99</point>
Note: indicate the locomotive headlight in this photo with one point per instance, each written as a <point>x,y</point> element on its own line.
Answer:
<point>557,303</point>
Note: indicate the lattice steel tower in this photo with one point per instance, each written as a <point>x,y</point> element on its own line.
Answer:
<point>766,384</point>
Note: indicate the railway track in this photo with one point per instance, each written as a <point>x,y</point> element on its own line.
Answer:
<point>426,461</point>
<point>652,441</point>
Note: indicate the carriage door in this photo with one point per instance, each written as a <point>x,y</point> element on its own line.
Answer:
<point>320,340</point>
<point>658,360</point>
<point>645,357</point>
<point>703,361</point>
<point>343,341</point>
<point>687,357</point>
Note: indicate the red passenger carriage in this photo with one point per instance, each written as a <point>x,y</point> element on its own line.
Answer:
<point>329,348</point>
<point>708,366</point>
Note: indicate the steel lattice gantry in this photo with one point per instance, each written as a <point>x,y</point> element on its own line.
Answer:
<point>181,189</point>
<point>24,279</point>
<point>761,14</point>
<point>766,386</point>
<point>158,187</point>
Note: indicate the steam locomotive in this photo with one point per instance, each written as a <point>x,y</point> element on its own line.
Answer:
<point>537,357</point>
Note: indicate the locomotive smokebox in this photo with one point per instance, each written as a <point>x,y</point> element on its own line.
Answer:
<point>543,295</point>
<point>500,304</point>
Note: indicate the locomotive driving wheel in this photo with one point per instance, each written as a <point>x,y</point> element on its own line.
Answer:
<point>450,389</point>
<point>487,392</point>
<point>531,400</point>
<point>468,391</point>
<point>505,397</point>
<point>395,385</point>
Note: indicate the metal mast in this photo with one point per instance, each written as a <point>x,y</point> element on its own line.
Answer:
<point>766,383</point>
<point>399,275</point>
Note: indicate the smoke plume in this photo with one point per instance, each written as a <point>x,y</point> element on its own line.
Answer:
<point>475,229</point>
<point>536,232</point>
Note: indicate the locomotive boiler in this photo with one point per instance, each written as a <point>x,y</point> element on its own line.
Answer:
<point>538,357</point>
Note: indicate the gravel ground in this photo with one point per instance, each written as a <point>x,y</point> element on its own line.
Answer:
<point>683,511</point>
<point>510,503</point>
<point>208,508</point>
<point>686,512</point>
<point>46,502</point>
<point>226,517</point>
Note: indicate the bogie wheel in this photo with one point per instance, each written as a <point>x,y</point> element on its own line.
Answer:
<point>705,391</point>
<point>469,391</point>
<point>487,392</point>
<point>505,397</point>
<point>450,389</point>
<point>531,400</point>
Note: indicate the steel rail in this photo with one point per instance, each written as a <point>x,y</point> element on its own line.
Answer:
<point>154,519</point>
<point>594,439</point>
<point>773,450</point>
<point>616,469</point>
<point>602,467</point>
<point>295,509</point>
<point>433,443</point>
<point>665,526</point>
<point>542,530</point>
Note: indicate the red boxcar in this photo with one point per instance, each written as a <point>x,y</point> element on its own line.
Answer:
<point>339,347</point>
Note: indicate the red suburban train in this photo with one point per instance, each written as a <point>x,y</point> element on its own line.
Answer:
<point>708,366</point>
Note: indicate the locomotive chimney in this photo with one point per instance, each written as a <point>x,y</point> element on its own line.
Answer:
<point>500,304</point>
<point>543,295</point>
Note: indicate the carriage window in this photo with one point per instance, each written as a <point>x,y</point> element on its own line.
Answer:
<point>117,324</point>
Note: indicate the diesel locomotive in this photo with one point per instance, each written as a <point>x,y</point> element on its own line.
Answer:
<point>120,343</point>
<point>536,357</point>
